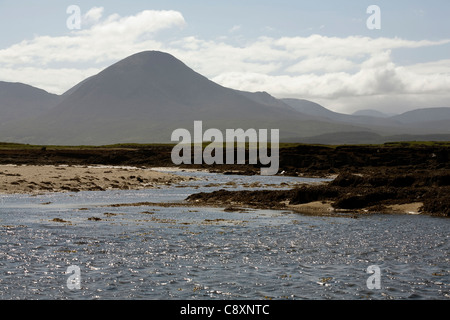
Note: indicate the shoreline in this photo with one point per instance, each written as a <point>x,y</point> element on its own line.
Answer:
<point>316,208</point>
<point>410,178</point>
<point>348,195</point>
<point>358,194</point>
<point>320,209</point>
<point>326,207</point>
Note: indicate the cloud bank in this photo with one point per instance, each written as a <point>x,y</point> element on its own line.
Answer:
<point>344,74</point>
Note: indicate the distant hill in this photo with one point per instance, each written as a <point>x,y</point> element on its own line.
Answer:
<point>366,121</point>
<point>423,115</point>
<point>146,96</point>
<point>419,121</point>
<point>20,101</point>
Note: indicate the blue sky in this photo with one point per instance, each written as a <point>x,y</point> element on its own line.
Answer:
<point>410,19</point>
<point>317,50</point>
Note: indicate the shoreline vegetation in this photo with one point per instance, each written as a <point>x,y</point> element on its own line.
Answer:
<point>402,177</point>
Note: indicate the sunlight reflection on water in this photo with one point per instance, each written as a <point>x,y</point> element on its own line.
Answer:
<point>156,252</point>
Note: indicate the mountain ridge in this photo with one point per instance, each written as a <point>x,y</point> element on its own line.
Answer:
<point>145,96</point>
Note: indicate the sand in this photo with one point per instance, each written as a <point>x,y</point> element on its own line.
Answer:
<point>408,208</point>
<point>38,179</point>
<point>315,207</point>
<point>325,207</point>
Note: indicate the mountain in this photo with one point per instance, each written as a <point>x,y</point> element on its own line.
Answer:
<point>146,96</point>
<point>266,99</point>
<point>419,124</point>
<point>365,121</point>
<point>420,121</point>
<point>313,109</point>
<point>423,115</point>
<point>20,101</point>
<point>429,120</point>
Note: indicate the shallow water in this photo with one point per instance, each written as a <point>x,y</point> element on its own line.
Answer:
<point>156,252</point>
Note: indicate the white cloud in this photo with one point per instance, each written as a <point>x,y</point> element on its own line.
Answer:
<point>376,76</point>
<point>53,80</point>
<point>235,28</point>
<point>352,46</point>
<point>93,15</point>
<point>103,41</point>
<point>433,67</point>
<point>321,64</point>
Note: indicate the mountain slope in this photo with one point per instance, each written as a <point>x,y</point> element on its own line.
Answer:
<point>315,109</point>
<point>146,96</point>
<point>420,121</point>
<point>423,115</point>
<point>20,101</point>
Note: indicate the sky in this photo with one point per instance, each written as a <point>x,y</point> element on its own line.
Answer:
<point>324,51</point>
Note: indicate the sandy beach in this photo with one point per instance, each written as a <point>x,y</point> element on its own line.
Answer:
<point>49,178</point>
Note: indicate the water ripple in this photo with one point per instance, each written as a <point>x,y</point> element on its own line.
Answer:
<point>179,253</point>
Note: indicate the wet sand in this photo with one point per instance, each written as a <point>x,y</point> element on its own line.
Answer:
<point>49,178</point>
<point>324,208</point>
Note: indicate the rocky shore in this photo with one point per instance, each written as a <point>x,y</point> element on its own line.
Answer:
<point>349,193</point>
<point>397,177</point>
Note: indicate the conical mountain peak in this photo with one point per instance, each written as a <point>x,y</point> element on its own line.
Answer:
<point>148,95</point>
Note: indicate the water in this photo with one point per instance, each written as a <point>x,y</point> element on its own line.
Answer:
<point>157,252</point>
